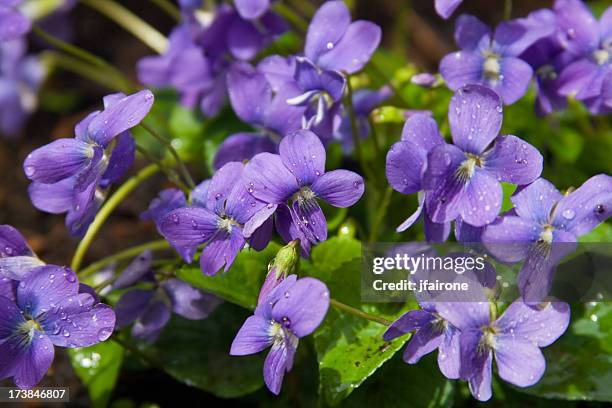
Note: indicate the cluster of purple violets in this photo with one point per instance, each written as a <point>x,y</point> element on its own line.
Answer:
<point>42,306</point>
<point>566,50</point>
<point>72,175</point>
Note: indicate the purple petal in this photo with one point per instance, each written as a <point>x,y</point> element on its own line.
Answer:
<point>12,243</point>
<point>167,200</point>
<point>577,26</point>
<point>121,116</point>
<point>476,366</point>
<point>475,118</point>
<point>304,155</point>
<point>53,198</point>
<point>577,76</point>
<point>414,217</point>
<point>83,211</point>
<point>445,189</point>
<point>188,228</point>
<point>466,233</point>
<point>221,251</point>
<point>18,267</point>
<point>258,219</point>
<point>278,361</point>
<point>482,199</point>
<point>268,180</point>
<point>340,188</point>
<point>519,361</point>
<point>516,79</point>
<point>120,160</point>
<point>13,24</point>
<point>58,160</point>
<point>586,207</point>
<point>75,323</point>
<point>514,161</point>
<point>310,220</point>
<point>409,321</point>
<point>311,78</point>
<point>354,49</point>
<point>327,26</point>
<point>538,326</point>
<point>471,33</point>
<point>435,232</point>
<point>262,236</point>
<point>199,194</point>
<point>404,166</point>
<point>152,321</point>
<point>445,8</point>
<point>461,68</point>
<point>509,237</point>
<point>515,36</point>
<point>8,289</point>
<point>422,131</point>
<point>10,318</point>
<point>253,337</point>
<point>188,301</point>
<point>251,9</point>
<point>449,354</point>
<point>26,364</point>
<point>244,40</point>
<point>45,288</point>
<point>131,305</point>
<point>465,315</point>
<point>303,307</point>
<point>241,147</point>
<point>249,92</point>
<point>135,271</point>
<point>289,230</point>
<point>222,185</point>
<point>423,342</point>
<point>536,201</point>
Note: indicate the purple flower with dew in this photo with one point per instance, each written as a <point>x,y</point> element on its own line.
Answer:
<point>292,181</point>
<point>219,225</point>
<point>185,66</point>
<point>463,179</point>
<point>71,175</point>
<point>259,97</point>
<point>13,24</point>
<point>591,42</point>
<point>335,46</point>
<point>16,258</point>
<point>406,163</point>
<point>492,58</point>
<point>514,339</point>
<point>166,201</point>
<point>292,310</point>
<point>20,79</point>
<point>364,102</point>
<point>48,311</point>
<point>544,227</point>
<point>149,310</point>
<point>445,8</point>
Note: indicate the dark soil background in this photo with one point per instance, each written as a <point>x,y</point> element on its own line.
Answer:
<point>422,35</point>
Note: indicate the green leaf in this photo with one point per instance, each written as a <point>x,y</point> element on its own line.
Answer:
<point>240,285</point>
<point>197,353</point>
<point>98,368</point>
<point>579,364</point>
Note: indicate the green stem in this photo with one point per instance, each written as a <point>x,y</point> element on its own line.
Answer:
<point>170,172</point>
<point>355,130</point>
<point>129,253</point>
<point>168,8</point>
<point>507,9</point>
<point>106,211</point>
<point>359,313</point>
<point>182,167</point>
<point>83,69</point>
<point>293,18</point>
<point>130,22</point>
<point>381,213</point>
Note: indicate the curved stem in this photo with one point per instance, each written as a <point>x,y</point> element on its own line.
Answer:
<point>106,211</point>
<point>173,152</point>
<point>83,69</point>
<point>129,253</point>
<point>359,313</point>
<point>380,215</point>
<point>169,171</point>
<point>130,22</point>
<point>169,8</point>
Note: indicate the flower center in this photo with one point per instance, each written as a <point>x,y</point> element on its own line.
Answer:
<point>601,56</point>
<point>28,328</point>
<point>546,236</point>
<point>226,224</point>
<point>547,72</point>
<point>492,68</point>
<point>487,340</point>
<point>467,168</point>
<point>304,196</point>
<point>439,325</point>
<point>279,332</point>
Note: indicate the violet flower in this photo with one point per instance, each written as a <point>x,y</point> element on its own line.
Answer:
<point>219,225</point>
<point>166,201</point>
<point>13,24</point>
<point>514,339</point>
<point>591,42</point>
<point>20,79</point>
<point>291,182</point>
<point>292,310</point>
<point>16,257</point>
<point>464,179</point>
<point>259,97</point>
<point>492,58</point>
<point>71,175</point>
<point>149,310</point>
<point>48,311</point>
<point>364,102</point>
<point>544,226</point>
<point>406,163</point>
